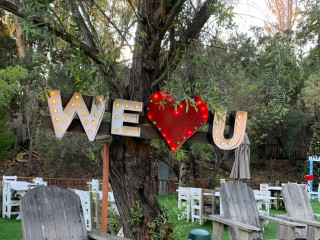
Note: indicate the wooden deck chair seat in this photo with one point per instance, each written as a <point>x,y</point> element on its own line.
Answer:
<point>55,213</point>
<point>299,209</point>
<point>241,215</point>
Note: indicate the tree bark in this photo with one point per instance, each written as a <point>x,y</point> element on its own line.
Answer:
<point>133,187</point>
<point>186,172</point>
<point>20,40</point>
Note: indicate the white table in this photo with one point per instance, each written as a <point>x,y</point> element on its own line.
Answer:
<point>20,187</point>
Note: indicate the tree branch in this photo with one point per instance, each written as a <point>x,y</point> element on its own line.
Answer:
<point>90,52</point>
<point>186,38</point>
<point>82,24</point>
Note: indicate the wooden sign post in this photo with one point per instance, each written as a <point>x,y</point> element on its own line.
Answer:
<point>106,139</point>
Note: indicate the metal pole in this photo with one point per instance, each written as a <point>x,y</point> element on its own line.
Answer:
<point>310,171</point>
<point>105,188</point>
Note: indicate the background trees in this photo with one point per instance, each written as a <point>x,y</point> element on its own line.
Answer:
<point>130,49</point>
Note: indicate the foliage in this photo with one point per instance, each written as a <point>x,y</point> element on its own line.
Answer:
<point>10,78</point>
<point>6,140</point>
<point>310,99</point>
<point>60,156</point>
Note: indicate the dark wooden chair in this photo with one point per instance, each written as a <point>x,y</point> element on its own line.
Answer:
<point>55,213</point>
<point>299,210</point>
<point>242,217</point>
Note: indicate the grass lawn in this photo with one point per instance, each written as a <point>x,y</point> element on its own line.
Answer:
<point>182,227</point>
<point>11,229</point>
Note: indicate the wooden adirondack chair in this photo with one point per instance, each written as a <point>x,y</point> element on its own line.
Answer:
<point>55,213</point>
<point>241,215</point>
<point>299,210</point>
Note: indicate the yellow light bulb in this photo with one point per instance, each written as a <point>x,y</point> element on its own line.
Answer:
<point>55,110</point>
<point>57,119</point>
<point>136,106</point>
<point>68,112</point>
<point>86,121</point>
<point>83,113</point>
<point>116,116</point>
<point>64,120</point>
<point>127,105</point>
<point>217,122</point>
<point>116,129</point>
<point>117,104</point>
<point>98,106</point>
<point>235,138</point>
<point>54,101</point>
<point>93,122</point>
<point>216,139</point>
<point>237,130</point>
<point>229,142</point>
<point>239,116</point>
<point>127,118</point>
<point>79,105</point>
<point>133,131</point>
<point>222,143</point>
<point>90,131</point>
<point>52,93</point>
<point>73,105</point>
<point>100,99</point>
<point>124,130</point>
<point>238,124</point>
<point>96,114</point>
<point>58,128</point>
<point>77,96</point>
<point>215,131</point>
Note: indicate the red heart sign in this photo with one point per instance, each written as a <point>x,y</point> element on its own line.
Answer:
<point>176,123</point>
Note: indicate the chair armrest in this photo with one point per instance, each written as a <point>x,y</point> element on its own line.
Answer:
<point>230,222</point>
<point>103,236</point>
<point>281,221</point>
<point>316,215</point>
<point>307,222</point>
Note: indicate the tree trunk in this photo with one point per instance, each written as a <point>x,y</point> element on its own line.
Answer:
<point>20,40</point>
<point>133,186</point>
<point>185,179</point>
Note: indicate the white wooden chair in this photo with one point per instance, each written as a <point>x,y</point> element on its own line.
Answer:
<point>196,204</point>
<point>95,185</point>
<point>265,192</point>
<point>184,203</point>
<point>9,178</point>
<point>8,202</point>
<point>263,200</point>
<point>39,181</point>
<point>86,207</point>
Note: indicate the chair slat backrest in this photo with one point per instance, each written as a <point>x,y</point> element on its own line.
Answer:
<point>239,204</point>
<point>9,178</point>
<point>296,202</point>
<point>52,213</point>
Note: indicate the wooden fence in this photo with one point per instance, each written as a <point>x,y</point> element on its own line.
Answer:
<point>80,184</point>
<point>271,149</point>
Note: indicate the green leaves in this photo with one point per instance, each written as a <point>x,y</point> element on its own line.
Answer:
<point>10,78</point>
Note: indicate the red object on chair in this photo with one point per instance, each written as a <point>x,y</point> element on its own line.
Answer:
<point>308,177</point>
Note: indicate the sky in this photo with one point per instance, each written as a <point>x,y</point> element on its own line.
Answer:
<point>251,13</point>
